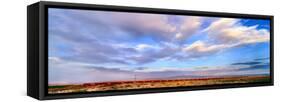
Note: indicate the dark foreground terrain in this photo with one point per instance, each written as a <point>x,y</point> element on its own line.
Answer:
<point>144,84</point>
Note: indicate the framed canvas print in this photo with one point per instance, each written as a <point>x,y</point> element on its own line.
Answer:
<point>82,50</point>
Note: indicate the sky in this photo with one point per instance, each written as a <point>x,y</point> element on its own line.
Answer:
<point>100,46</point>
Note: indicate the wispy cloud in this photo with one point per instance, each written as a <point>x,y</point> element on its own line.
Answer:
<point>261,59</point>
<point>247,63</point>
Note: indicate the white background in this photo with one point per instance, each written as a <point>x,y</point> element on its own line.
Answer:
<point>13,51</point>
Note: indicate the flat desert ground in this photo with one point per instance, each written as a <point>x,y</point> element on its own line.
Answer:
<point>146,84</point>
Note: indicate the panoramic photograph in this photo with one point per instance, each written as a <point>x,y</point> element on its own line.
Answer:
<point>97,51</point>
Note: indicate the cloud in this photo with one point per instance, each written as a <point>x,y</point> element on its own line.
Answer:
<point>137,24</point>
<point>257,67</point>
<point>145,47</point>
<point>261,59</point>
<point>145,24</point>
<point>200,49</point>
<point>158,26</point>
<point>93,36</point>
<point>255,64</point>
<point>189,27</point>
<point>224,34</point>
<point>246,63</point>
<point>97,52</point>
<point>229,31</point>
<point>153,55</point>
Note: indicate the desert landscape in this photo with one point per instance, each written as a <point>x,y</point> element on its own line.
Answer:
<point>145,84</point>
<point>96,51</point>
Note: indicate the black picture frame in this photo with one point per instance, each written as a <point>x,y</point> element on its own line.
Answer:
<point>37,48</point>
